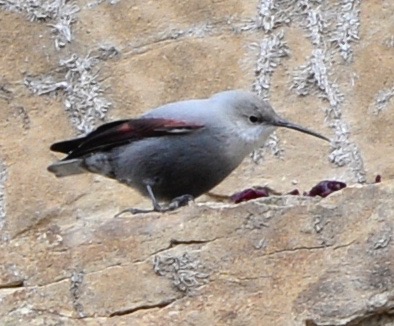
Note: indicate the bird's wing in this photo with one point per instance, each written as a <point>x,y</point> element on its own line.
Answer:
<point>120,132</point>
<point>69,145</point>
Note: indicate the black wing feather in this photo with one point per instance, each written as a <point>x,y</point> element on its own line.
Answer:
<point>121,132</point>
<point>68,146</point>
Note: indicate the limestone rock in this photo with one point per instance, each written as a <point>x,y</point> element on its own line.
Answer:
<point>279,261</point>
<point>69,66</point>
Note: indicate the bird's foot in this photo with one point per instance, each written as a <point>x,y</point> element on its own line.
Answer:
<point>179,202</point>
<point>134,211</point>
<point>173,205</point>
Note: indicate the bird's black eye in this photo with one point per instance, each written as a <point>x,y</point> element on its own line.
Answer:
<point>254,119</point>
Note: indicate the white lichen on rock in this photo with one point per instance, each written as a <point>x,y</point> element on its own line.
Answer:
<point>266,16</point>
<point>347,28</point>
<point>272,49</point>
<point>346,153</point>
<point>274,13</point>
<point>60,15</point>
<point>317,25</point>
<point>389,42</point>
<point>382,99</point>
<point>3,179</point>
<point>331,28</point>
<point>185,271</point>
<point>80,85</point>
<point>314,78</point>
<point>95,3</point>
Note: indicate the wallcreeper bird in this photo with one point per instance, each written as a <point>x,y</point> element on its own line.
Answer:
<point>178,151</point>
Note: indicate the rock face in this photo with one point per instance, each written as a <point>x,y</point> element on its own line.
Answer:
<point>279,261</point>
<point>66,67</point>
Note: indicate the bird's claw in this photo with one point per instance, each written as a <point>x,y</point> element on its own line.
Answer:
<point>173,205</point>
<point>134,211</point>
<point>179,202</point>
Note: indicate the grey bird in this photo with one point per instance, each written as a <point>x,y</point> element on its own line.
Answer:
<point>177,151</point>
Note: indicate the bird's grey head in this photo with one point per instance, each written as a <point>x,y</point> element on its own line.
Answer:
<point>253,118</point>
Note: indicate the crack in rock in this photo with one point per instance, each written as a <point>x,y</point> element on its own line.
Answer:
<point>162,304</point>
<point>12,284</point>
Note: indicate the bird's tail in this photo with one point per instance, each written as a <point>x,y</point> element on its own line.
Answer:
<point>67,167</point>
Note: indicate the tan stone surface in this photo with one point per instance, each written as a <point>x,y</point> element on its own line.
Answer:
<point>285,261</point>
<point>279,261</point>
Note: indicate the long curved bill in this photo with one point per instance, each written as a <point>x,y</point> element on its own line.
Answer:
<point>291,125</point>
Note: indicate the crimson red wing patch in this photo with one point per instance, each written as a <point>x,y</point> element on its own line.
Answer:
<point>123,131</point>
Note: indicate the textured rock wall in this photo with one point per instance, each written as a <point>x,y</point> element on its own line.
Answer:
<point>66,67</point>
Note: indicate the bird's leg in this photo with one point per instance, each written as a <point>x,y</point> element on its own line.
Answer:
<point>174,204</point>
<point>155,203</point>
